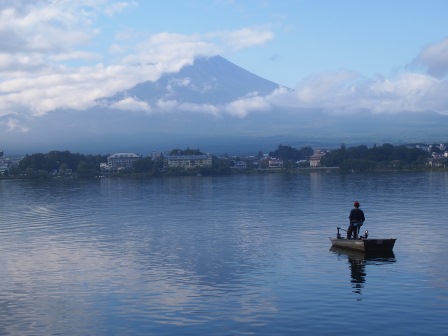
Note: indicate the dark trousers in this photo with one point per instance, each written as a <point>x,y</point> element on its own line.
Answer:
<point>352,229</point>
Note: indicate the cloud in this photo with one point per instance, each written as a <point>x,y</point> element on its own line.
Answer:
<point>75,55</point>
<point>131,104</point>
<point>167,105</point>
<point>320,87</point>
<point>238,108</point>
<point>202,108</point>
<point>243,38</point>
<point>118,7</point>
<point>242,107</point>
<point>61,88</point>
<point>42,26</point>
<point>42,44</point>
<point>14,125</point>
<point>170,51</point>
<point>435,59</point>
<point>347,92</point>
<point>10,64</point>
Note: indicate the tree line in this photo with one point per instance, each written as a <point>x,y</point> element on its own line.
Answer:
<point>360,158</point>
<point>41,165</point>
<point>64,164</point>
<point>387,156</point>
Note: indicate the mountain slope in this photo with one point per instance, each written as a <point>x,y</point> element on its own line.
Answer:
<point>208,81</point>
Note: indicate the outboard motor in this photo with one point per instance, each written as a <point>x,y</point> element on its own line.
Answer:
<point>338,236</point>
<point>366,234</point>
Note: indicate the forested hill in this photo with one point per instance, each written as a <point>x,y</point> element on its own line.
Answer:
<point>386,156</point>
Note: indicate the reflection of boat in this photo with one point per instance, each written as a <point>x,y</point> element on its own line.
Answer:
<point>358,261</point>
<point>363,243</point>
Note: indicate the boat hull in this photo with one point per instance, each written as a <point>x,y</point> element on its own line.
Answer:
<point>382,256</point>
<point>365,245</point>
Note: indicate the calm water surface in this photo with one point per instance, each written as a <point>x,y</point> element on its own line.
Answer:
<point>238,255</point>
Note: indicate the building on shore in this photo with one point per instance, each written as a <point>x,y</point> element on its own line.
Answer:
<point>315,158</point>
<point>187,161</point>
<point>120,161</point>
<point>274,163</point>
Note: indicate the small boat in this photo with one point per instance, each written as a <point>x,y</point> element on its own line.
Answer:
<point>363,243</point>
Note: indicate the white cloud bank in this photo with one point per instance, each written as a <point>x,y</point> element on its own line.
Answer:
<point>46,64</point>
<point>42,55</point>
<point>347,92</point>
<point>435,59</point>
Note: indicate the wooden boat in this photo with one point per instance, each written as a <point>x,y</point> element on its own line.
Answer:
<point>363,243</point>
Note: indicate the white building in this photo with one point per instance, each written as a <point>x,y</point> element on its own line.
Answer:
<point>120,161</point>
<point>239,165</point>
<point>315,159</point>
<point>188,161</point>
<point>155,155</point>
<point>275,163</point>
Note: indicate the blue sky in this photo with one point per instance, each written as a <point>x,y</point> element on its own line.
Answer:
<point>383,56</point>
<point>298,38</point>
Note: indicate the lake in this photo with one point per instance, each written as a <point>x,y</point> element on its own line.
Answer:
<point>233,255</point>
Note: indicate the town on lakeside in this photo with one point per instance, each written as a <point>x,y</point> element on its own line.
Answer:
<point>63,164</point>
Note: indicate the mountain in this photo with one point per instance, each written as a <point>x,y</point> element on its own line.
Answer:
<point>201,107</point>
<point>208,81</point>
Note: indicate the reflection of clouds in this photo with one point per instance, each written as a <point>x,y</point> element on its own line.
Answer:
<point>73,278</point>
<point>64,279</point>
<point>48,283</point>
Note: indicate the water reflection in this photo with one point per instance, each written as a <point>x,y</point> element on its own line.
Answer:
<point>219,255</point>
<point>358,261</point>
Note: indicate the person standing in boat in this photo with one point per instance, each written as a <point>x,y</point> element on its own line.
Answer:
<point>356,218</point>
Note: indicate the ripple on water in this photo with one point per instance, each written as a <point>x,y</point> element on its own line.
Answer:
<point>227,255</point>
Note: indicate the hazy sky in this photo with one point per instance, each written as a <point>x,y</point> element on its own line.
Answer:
<point>343,55</point>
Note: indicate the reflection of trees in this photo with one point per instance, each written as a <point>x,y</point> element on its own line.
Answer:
<point>357,269</point>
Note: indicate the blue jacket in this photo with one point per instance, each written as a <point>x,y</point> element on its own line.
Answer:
<point>356,216</point>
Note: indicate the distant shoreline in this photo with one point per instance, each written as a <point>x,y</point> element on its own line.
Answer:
<point>142,176</point>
